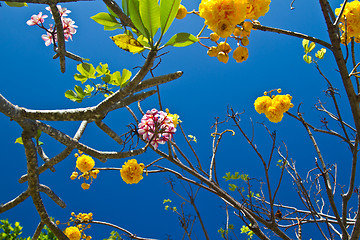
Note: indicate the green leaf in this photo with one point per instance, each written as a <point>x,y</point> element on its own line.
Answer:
<point>307,59</point>
<point>88,90</point>
<point>227,176</point>
<point>134,13</point>
<point>182,40</point>
<point>143,41</point>
<point>16,4</point>
<point>73,96</point>
<point>232,187</point>
<point>81,78</point>
<point>105,19</point>
<point>320,54</point>
<point>86,70</point>
<point>115,78</point>
<point>117,26</point>
<point>125,7</point>
<point>106,78</point>
<point>305,44</point>
<point>126,75</point>
<point>112,12</point>
<point>19,140</point>
<point>102,69</point>
<point>311,47</point>
<point>150,15</point>
<point>168,11</point>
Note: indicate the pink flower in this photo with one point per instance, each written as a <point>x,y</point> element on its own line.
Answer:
<point>63,11</point>
<point>48,38</point>
<point>36,19</point>
<point>156,127</point>
<point>69,28</point>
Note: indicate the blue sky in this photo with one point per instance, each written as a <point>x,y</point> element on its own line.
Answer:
<point>32,79</point>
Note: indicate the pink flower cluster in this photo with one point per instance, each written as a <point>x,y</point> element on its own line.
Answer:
<point>156,127</point>
<point>50,37</point>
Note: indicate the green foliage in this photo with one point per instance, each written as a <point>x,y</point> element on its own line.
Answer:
<point>228,176</point>
<point>182,40</point>
<point>107,20</point>
<point>192,138</point>
<point>308,48</point>
<point>114,236</point>
<point>150,14</point>
<point>16,4</point>
<point>232,187</point>
<point>8,232</point>
<point>168,11</point>
<point>246,230</point>
<point>20,141</point>
<point>108,81</point>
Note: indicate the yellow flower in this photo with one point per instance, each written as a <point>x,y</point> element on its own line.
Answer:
<point>73,233</point>
<point>85,163</point>
<point>94,173</point>
<point>241,54</point>
<point>282,102</point>
<point>352,15</point>
<point>131,171</point>
<point>273,114</point>
<point>257,8</point>
<point>262,103</point>
<point>224,47</point>
<point>174,118</point>
<point>221,16</point>
<point>85,186</point>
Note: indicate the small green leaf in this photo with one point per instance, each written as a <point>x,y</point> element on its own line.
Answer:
<point>143,41</point>
<point>81,78</point>
<point>102,69</point>
<point>16,4</point>
<point>126,75</point>
<point>108,28</point>
<point>115,78</point>
<point>182,40</point>
<point>19,140</point>
<point>106,78</point>
<point>312,46</point>
<point>73,96</point>
<point>320,54</point>
<point>86,69</point>
<point>105,19</point>
<point>307,59</point>
<point>305,44</point>
<point>227,176</point>
<point>232,187</point>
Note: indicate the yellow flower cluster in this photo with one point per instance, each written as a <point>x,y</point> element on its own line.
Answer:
<point>222,50</point>
<point>273,107</point>
<point>85,163</point>
<point>222,16</point>
<point>83,217</point>
<point>352,15</point>
<point>257,8</point>
<point>73,233</point>
<point>131,171</point>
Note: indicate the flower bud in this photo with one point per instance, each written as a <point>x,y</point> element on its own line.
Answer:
<point>212,52</point>
<point>182,12</point>
<point>237,32</point>
<point>223,57</point>
<point>247,26</point>
<point>214,37</point>
<point>224,47</point>
<point>245,41</point>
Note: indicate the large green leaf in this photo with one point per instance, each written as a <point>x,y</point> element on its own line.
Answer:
<point>105,19</point>
<point>168,11</point>
<point>125,7</point>
<point>134,13</point>
<point>182,40</point>
<point>150,15</point>
<point>86,70</point>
